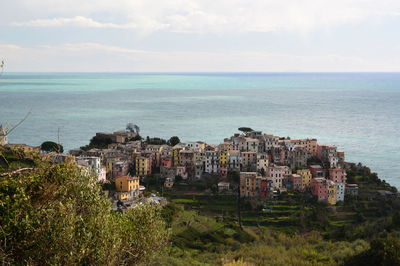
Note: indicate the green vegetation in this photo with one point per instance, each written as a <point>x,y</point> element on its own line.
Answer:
<point>204,240</point>
<point>159,141</point>
<point>155,141</point>
<point>13,159</point>
<point>98,142</point>
<point>245,129</point>
<point>363,176</point>
<point>54,214</point>
<point>292,229</point>
<point>383,251</point>
<point>49,146</point>
<point>173,141</point>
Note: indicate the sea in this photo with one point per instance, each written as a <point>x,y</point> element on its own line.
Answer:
<point>357,112</point>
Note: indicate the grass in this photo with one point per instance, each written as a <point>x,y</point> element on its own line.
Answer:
<point>284,214</point>
<point>184,201</point>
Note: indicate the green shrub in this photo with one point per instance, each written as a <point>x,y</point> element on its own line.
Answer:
<point>54,214</point>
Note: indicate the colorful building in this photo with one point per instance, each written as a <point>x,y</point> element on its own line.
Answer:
<point>234,160</point>
<point>296,182</point>
<point>127,187</point>
<point>338,175</point>
<point>211,162</point>
<point>306,177</point>
<point>340,191</point>
<point>142,166</point>
<point>319,188</point>
<point>248,184</point>
<point>248,161</point>
<point>332,189</point>
<point>317,171</point>
<point>223,158</point>
<point>276,174</point>
<point>262,163</point>
<point>265,187</point>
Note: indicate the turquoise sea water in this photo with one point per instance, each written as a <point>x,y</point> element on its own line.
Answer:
<point>358,112</point>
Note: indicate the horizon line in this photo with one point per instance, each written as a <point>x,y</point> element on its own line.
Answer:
<point>197,72</point>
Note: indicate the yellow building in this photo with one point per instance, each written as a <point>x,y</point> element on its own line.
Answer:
<point>223,158</point>
<point>175,156</point>
<point>109,163</point>
<point>126,187</point>
<point>123,195</point>
<point>142,166</point>
<point>126,183</point>
<point>331,192</point>
<point>306,177</point>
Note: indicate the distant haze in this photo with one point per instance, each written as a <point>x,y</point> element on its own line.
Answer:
<point>200,35</point>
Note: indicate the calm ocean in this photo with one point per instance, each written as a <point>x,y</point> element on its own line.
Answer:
<point>358,112</point>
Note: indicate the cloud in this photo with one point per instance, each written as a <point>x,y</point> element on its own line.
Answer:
<point>77,21</point>
<point>96,57</point>
<point>206,15</point>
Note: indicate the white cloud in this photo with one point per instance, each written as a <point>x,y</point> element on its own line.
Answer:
<point>79,21</point>
<point>95,57</point>
<point>206,15</point>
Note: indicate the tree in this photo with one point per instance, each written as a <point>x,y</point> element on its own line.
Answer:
<point>137,137</point>
<point>155,141</point>
<point>56,214</point>
<point>178,178</point>
<point>262,172</point>
<point>173,141</point>
<point>245,129</point>
<point>234,176</point>
<point>50,146</point>
<point>133,128</point>
<point>2,67</point>
<point>383,251</point>
<point>98,141</point>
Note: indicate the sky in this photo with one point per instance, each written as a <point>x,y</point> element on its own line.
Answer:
<point>200,35</point>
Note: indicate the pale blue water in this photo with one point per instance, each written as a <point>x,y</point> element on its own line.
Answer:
<point>358,112</point>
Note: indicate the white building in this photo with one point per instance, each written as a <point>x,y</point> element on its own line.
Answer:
<point>340,191</point>
<point>211,162</point>
<point>93,164</point>
<point>262,163</point>
<point>249,145</point>
<point>234,160</point>
<point>277,174</point>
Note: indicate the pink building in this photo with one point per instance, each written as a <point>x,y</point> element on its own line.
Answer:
<point>166,162</point>
<point>223,171</point>
<point>319,188</point>
<point>186,158</point>
<point>338,175</point>
<point>296,181</point>
<point>265,187</point>
<point>317,171</point>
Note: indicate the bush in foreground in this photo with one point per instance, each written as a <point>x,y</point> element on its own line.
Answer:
<point>54,214</point>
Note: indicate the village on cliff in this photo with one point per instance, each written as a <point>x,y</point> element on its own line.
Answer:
<point>267,164</point>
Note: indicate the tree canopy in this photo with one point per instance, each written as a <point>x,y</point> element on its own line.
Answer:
<point>133,128</point>
<point>245,129</point>
<point>50,146</point>
<point>99,142</point>
<point>173,141</point>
